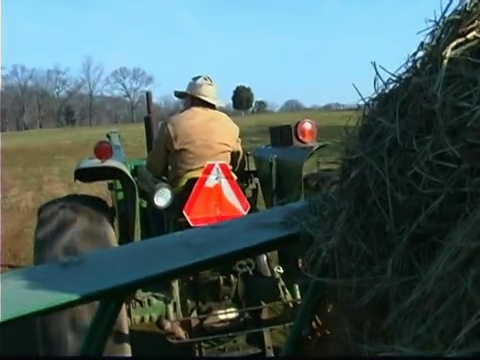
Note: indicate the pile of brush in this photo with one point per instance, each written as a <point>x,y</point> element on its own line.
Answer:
<point>398,240</point>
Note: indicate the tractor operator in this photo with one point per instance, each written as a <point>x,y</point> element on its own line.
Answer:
<point>197,135</point>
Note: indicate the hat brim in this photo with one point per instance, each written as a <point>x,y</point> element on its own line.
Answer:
<point>181,94</point>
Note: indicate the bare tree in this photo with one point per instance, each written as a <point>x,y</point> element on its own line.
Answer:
<point>92,77</point>
<point>42,97</point>
<point>7,106</point>
<point>130,84</point>
<point>19,79</point>
<point>63,87</point>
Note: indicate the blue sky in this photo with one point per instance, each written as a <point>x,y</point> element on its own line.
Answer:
<point>312,50</point>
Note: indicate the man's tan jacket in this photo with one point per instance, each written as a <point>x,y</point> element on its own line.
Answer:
<point>187,141</point>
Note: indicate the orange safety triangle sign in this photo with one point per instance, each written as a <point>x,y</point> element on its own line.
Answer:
<point>215,197</point>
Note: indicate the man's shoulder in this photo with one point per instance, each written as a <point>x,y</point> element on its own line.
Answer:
<point>179,116</point>
<point>223,117</point>
<point>201,112</point>
<point>185,114</point>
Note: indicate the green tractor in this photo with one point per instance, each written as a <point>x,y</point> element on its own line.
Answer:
<point>230,310</point>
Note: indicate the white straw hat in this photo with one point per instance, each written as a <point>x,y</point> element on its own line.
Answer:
<point>201,87</point>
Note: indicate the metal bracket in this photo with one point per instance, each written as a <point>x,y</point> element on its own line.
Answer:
<point>284,293</point>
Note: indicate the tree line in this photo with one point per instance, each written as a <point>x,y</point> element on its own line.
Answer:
<point>33,98</point>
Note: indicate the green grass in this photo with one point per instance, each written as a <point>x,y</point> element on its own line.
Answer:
<point>38,165</point>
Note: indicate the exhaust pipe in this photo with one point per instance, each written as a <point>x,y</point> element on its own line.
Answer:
<point>149,122</point>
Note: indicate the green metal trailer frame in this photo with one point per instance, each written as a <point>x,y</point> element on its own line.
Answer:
<point>109,275</point>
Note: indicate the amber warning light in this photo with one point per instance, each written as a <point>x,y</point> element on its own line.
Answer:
<point>306,131</point>
<point>103,150</point>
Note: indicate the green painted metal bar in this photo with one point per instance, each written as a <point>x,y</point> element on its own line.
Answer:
<point>302,318</point>
<point>55,286</point>
<point>101,326</point>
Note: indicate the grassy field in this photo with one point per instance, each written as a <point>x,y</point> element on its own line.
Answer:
<point>38,165</point>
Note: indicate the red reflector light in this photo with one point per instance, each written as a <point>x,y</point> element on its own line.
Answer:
<point>103,150</point>
<point>306,131</point>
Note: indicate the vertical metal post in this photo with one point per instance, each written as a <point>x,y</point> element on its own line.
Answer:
<point>101,326</point>
<point>304,315</point>
<point>149,122</point>
<point>273,169</point>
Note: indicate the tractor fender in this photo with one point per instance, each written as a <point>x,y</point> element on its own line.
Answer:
<point>93,170</point>
<point>280,171</point>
